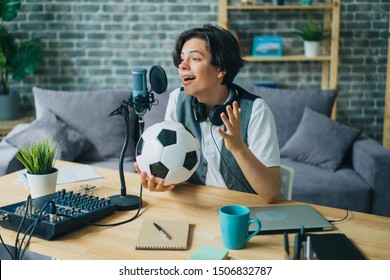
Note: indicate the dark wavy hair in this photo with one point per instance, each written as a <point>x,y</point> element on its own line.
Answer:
<point>222,45</point>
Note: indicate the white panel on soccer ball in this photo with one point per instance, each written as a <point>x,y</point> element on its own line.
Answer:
<point>151,132</point>
<point>143,164</point>
<point>171,125</point>
<point>152,149</point>
<point>172,156</point>
<point>187,142</point>
<point>178,175</point>
<point>151,152</point>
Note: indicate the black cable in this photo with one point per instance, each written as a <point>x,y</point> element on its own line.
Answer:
<point>220,153</point>
<point>340,220</point>
<point>6,248</point>
<point>19,252</point>
<point>109,225</point>
<point>32,227</point>
<point>28,202</point>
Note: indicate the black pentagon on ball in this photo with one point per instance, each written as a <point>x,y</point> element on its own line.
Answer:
<point>167,137</point>
<point>190,160</point>
<point>140,146</point>
<point>159,170</point>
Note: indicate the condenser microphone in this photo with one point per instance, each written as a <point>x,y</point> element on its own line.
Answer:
<point>139,94</point>
<point>141,101</point>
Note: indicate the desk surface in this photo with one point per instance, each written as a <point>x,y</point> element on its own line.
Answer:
<point>195,203</point>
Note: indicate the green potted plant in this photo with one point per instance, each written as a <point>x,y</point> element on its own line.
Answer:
<point>39,159</point>
<point>312,34</point>
<point>18,59</point>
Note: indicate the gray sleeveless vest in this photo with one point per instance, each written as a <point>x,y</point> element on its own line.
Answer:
<point>231,172</point>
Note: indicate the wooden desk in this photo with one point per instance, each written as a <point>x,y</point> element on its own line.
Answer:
<point>199,205</point>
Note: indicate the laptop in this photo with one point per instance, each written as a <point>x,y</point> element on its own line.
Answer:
<point>288,218</point>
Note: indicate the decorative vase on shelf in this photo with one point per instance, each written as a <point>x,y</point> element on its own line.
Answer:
<point>311,48</point>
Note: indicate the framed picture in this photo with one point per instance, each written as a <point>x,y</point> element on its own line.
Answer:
<point>267,46</point>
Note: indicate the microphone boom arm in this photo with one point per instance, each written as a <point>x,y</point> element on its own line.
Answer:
<point>124,201</point>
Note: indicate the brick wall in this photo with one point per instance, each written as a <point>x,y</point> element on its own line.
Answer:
<point>94,45</point>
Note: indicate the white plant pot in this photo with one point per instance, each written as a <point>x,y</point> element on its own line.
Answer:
<point>311,48</point>
<point>40,185</point>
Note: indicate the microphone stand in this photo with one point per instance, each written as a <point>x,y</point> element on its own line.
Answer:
<point>123,200</point>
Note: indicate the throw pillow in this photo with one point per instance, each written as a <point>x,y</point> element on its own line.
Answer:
<point>287,105</point>
<point>72,143</point>
<point>88,112</point>
<point>319,141</point>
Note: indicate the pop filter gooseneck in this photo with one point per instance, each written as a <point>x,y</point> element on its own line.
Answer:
<point>141,104</point>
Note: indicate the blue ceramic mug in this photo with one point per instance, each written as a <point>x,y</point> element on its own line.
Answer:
<point>234,222</point>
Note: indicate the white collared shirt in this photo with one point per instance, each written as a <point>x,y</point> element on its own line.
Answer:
<point>262,138</point>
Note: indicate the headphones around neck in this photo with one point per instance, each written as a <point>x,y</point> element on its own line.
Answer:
<point>200,112</point>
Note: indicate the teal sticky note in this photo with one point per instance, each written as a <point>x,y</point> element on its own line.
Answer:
<point>206,252</point>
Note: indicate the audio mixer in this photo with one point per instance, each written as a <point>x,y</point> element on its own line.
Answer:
<point>55,214</point>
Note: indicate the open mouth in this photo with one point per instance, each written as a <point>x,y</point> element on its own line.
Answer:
<point>188,78</point>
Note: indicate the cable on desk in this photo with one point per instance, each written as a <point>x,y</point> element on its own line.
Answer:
<point>20,249</point>
<point>28,208</point>
<point>340,220</point>
<point>110,225</point>
<point>31,229</point>
<point>6,248</point>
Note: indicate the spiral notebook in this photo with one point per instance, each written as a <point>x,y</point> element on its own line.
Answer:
<point>150,238</point>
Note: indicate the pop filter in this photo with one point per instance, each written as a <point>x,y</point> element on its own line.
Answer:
<point>158,79</point>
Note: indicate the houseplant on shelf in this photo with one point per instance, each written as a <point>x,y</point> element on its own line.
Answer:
<point>39,158</point>
<point>312,34</point>
<point>17,60</point>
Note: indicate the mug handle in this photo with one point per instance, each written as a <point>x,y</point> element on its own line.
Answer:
<point>258,223</point>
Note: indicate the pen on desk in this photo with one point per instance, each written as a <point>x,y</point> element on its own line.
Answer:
<point>162,231</point>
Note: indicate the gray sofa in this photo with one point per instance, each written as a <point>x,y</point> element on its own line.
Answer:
<point>335,165</point>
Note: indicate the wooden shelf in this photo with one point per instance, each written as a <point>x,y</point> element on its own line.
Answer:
<point>331,19</point>
<point>295,57</point>
<point>280,7</point>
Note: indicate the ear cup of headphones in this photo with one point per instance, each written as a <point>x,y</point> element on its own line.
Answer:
<point>215,114</point>
<point>199,110</point>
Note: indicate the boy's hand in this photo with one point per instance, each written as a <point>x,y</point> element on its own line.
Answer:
<point>232,122</point>
<point>152,184</point>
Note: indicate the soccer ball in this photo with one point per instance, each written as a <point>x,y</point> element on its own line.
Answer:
<point>168,151</point>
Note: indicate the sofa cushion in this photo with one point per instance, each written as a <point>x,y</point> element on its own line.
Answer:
<point>287,106</point>
<point>72,143</point>
<point>319,141</point>
<point>88,112</point>
<point>343,188</point>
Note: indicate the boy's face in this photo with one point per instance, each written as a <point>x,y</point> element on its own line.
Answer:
<point>199,77</point>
